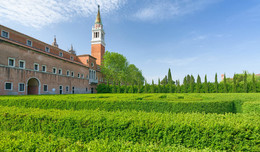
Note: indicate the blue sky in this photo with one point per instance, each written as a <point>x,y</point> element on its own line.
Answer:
<point>188,36</point>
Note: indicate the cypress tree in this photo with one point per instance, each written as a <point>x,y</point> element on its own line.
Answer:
<point>216,83</point>
<point>169,76</point>
<point>159,86</point>
<point>206,87</point>
<point>185,84</point>
<point>245,82</point>
<point>170,80</point>
<point>145,87</point>
<point>178,86</point>
<point>198,84</point>
<point>254,83</point>
<point>152,87</point>
<point>225,84</point>
<point>192,84</point>
<point>234,84</point>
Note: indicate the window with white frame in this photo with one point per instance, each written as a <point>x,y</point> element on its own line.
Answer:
<point>11,62</point>
<point>8,86</point>
<point>44,69</point>
<point>78,75</point>
<point>36,66</point>
<point>5,34</point>
<point>72,73</point>
<point>71,58</point>
<point>21,64</point>
<point>68,73</point>
<point>92,64</point>
<point>82,76</point>
<point>67,88</point>
<point>61,54</point>
<point>47,49</point>
<point>29,42</point>
<point>54,70</point>
<point>45,87</point>
<point>60,72</point>
<point>21,87</point>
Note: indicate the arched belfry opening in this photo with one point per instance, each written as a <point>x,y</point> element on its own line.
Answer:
<point>33,85</point>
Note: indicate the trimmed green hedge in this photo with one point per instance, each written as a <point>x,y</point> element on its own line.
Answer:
<point>138,103</point>
<point>232,132</point>
<point>29,141</point>
<point>251,107</point>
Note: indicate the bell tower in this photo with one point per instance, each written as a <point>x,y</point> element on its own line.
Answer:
<point>98,39</point>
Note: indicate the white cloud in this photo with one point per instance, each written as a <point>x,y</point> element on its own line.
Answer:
<point>163,9</point>
<point>39,13</point>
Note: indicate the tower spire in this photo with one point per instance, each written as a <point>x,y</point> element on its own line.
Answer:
<point>55,42</point>
<point>98,18</point>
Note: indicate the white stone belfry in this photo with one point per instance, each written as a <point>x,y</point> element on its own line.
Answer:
<point>98,33</point>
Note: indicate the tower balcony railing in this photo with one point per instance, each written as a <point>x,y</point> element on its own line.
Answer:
<point>93,81</point>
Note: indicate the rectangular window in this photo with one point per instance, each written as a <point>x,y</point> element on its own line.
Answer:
<point>61,90</point>
<point>5,34</point>
<point>78,75</point>
<point>11,62</point>
<point>68,73</point>
<point>67,88</point>
<point>82,76</point>
<point>61,54</point>
<point>44,69</point>
<point>29,43</point>
<point>8,86</point>
<point>36,66</point>
<point>71,57</point>
<point>21,64</point>
<point>60,72</point>
<point>21,87</point>
<point>47,49</point>
<point>54,70</point>
<point>72,73</point>
<point>45,87</point>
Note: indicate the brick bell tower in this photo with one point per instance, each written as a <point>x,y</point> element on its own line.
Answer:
<point>98,39</point>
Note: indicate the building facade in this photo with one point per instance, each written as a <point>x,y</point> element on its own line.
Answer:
<point>29,66</point>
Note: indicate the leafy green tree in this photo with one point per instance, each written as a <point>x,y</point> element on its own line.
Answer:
<point>198,84</point>
<point>216,83</point>
<point>206,87</point>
